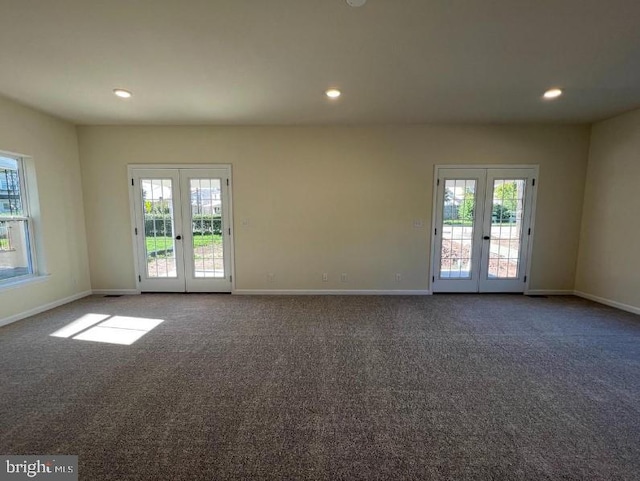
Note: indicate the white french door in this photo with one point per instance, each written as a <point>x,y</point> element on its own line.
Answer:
<point>182,229</point>
<point>482,229</point>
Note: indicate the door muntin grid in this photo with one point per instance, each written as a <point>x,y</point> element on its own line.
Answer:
<point>458,219</point>
<point>159,227</point>
<point>505,244</point>
<point>207,227</point>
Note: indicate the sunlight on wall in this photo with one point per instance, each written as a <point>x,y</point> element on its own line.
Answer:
<point>106,328</point>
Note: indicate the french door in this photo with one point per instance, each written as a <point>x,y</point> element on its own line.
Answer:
<point>482,229</point>
<point>182,229</point>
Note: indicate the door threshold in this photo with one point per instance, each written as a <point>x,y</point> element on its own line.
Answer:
<point>483,293</point>
<point>153,293</point>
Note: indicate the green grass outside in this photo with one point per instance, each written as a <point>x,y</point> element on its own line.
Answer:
<point>164,243</point>
<point>455,222</point>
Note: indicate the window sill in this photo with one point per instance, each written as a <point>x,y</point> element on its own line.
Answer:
<point>23,281</point>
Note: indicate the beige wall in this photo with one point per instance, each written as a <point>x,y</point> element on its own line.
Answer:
<point>333,199</point>
<point>53,169</point>
<point>609,259</point>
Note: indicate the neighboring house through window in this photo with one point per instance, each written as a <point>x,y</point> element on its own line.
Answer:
<point>16,253</point>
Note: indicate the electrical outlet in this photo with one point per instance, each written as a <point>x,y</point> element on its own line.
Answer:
<point>418,223</point>
<point>343,277</point>
<point>398,277</point>
<point>270,277</point>
<point>325,277</point>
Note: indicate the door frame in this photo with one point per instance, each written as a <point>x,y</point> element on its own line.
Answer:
<point>460,285</point>
<point>434,207</point>
<point>162,284</point>
<point>132,213</point>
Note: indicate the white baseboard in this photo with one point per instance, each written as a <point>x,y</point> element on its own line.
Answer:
<point>45,307</point>
<point>548,292</point>
<point>327,292</point>
<point>608,302</point>
<point>115,292</point>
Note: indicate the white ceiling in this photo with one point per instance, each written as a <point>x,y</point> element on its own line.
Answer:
<point>269,61</point>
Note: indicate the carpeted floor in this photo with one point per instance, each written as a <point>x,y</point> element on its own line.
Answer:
<point>492,387</point>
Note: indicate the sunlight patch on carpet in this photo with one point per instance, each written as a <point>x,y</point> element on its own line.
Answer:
<point>109,329</point>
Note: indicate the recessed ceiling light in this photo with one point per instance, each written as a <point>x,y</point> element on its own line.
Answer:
<point>552,94</point>
<point>333,93</point>
<point>122,93</point>
<point>356,3</point>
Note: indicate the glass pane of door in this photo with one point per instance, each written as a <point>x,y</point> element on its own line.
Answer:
<point>458,218</point>
<point>206,226</point>
<point>506,228</point>
<point>159,245</point>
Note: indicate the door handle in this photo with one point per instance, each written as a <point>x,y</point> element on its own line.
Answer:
<point>178,237</point>
<point>487,237</point>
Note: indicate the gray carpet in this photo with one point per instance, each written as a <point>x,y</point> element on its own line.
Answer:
<point>327,388</point>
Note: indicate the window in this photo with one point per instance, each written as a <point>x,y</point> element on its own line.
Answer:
<point>16,254</point>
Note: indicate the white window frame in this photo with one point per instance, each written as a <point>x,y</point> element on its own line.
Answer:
<point>25,217</point>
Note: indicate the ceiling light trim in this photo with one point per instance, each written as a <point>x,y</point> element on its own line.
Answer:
<point>333,93</point>
<point>122,93</point>
<point>553,93</point>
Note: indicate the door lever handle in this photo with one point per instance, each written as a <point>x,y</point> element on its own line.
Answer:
<point>487,237</point>
<point>178,237</point>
